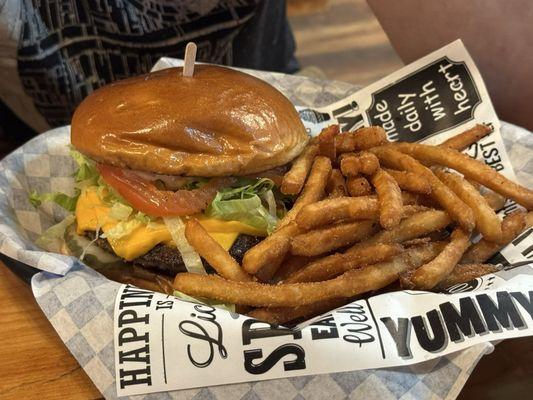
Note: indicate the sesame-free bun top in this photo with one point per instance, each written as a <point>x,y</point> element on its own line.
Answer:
<point>219,122</point>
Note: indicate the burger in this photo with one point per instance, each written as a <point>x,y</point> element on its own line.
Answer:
<point>157,149</point>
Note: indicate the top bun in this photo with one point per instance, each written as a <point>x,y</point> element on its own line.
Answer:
<point>219,122</point>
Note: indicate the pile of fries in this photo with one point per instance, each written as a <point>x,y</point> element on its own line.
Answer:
<point>369,215</point>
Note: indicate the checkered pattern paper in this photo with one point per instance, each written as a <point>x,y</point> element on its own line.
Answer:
<point>80,304</point>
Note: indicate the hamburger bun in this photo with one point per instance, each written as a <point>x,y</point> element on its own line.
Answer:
<point>219,122</point>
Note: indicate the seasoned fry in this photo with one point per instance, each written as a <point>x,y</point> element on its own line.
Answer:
<point>463,140</point>
<point>495,201</point>
<point>389,199</point>
<point>413,227</point>
<point>213,252</point>
<point>487,222</point>
<point>330,211</point>
<point>358,186</point>
<point>326,142</point>
<point>480,252</point>
<point>347,285</point>
<point>282,315</point>
<point>290,265</point>
<point>455,207</point>
<point>271,251</point>
<point>465,273</point>
<point>363,163</point>
<point>336,264</point>
<point>361,139</point>
<point>471,169</point>
<point>294,179</point>
<point>324,240</point>
<point>410,181</point>
<point>336,186</point>
<point>314,188</point>
<point>429,275</point>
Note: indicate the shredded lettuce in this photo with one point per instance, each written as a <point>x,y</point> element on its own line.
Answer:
<point>53,238</point>
<point>120,211</point>
<point>86,174</point>
<point>245,204</point>
<point>61,199</point>
<point>123,228</point>
<point>210,302</point>
<point>190,257</point>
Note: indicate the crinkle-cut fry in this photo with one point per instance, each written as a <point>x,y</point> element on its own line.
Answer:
<point>481,251</point>
<point>329,211</point>
<point>410,181</point>
<point>270,252</point>
<point>314,188</point>
<point>324,240</point>
<point>336,186</point>
<point>450,202</point>
<point>470,168</point>
<point>389,199</point>
<point>429,275</point>
<point>358,186</point>
<point>495,200</point>
<point>294,179</point>
<point>290,265</point>
<point>364,163</point>
<point>487,222</point>
<point>282,315</point>
<point>464,273</point>
<point>413,227</point>
<point>213,252</point>
<point>361,139</point>
<point>336,264</point>
<point>326,142</point>
<point>347,285</point>
<point>463,140</point>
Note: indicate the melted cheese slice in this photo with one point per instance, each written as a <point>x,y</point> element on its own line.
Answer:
<point>92,213</point>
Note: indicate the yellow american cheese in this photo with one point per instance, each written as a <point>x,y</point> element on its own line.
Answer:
<point>92,213</point>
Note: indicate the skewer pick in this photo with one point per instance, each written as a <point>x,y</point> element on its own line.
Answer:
<point>190,58</point>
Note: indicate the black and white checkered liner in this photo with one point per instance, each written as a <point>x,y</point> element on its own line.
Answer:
<point>80,304</point>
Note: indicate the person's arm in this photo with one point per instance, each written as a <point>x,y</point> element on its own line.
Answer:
<point>497,33</point>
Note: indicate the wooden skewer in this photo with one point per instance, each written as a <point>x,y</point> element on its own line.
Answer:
<point>189,59</point>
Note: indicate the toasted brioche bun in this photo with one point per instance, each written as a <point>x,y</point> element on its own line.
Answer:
<point>219,122</point>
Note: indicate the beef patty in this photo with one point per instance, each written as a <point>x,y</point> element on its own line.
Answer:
<point>167,260</point>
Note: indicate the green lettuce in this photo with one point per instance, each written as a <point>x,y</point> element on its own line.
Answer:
<point>247,205</point>
<point>61,199</point>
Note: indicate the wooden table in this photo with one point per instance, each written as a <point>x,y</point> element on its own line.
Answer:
<point>35,364</point>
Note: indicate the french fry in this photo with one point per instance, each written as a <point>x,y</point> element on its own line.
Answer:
<point>290,265</point>
<point>512,226</point>
<point>495,201</point>
<point>349,284</point>
<point>294,179</point>
<point>324,240</point>
<point>429,275</point>
<point>336,186</point>
<point>389,199</point>
<point>363,163</point>
<point>270,252</point>
<point>410,181</point>
<point>314,188</point>
<point>487,222</point>
<point>361,139</point>
<point>326,142</point>
<point>470,168</point>
<point>282,315</point>
<point>358,186</point>
<point>463,140</point>
<point>415,226</point>
<point>336,264</point>
<point>330,211</point>
<point>450,202</point>
<point>213,252</point>
<point>464,273</point>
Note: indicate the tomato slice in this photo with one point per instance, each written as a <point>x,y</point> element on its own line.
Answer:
<point>144,196</point>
